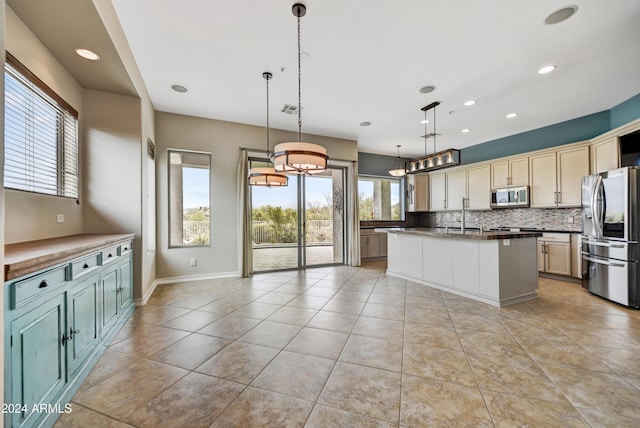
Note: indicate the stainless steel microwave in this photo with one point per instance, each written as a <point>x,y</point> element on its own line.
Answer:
<point>510,197</point>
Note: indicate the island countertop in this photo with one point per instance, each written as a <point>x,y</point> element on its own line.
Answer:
<point>457,234</point>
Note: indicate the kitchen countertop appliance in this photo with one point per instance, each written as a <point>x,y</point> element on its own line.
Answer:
<point>610,237</point>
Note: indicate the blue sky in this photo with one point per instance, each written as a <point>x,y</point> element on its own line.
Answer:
<point>286,197</point>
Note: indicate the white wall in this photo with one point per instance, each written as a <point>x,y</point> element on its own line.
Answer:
<point>223,140</point>
<point>30,216</point>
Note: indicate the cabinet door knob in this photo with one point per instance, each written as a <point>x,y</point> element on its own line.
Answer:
<point>43,284</point>
<point>85,266</point>
<point>110,255</point>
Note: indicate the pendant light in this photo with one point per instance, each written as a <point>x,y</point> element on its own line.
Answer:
<point>436,160</point>
<point>397,169</point>
<point>267,176</point>
<point>298,156</point>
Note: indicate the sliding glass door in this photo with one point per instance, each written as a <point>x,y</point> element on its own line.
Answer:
<point>301,224</point>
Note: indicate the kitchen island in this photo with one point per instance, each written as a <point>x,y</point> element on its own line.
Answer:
<point>494,267</point>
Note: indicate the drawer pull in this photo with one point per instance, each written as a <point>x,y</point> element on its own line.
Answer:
<point>126,248</point>
<point>85,266</point>
<point>43,284</point>
<point>110,255</point>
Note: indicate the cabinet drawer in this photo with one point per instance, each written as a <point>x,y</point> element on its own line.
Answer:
<point>555,237</point>
<point>110,254</point>
<point>126,248</point>
<point>84,266</point>
<point>28,289</point>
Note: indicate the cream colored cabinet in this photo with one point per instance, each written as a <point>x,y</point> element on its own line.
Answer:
<point>479,188</point>
<point>372,244</point>
<point>556,177</point>
<point>513,172</point>
<point>437,191</point>
<point>605,155</point>
<point>456,189</point>
<point>417,192</point>
<point>554,253</point>
<point>576,255</point>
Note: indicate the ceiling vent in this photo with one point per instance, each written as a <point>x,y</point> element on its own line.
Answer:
<point>289,109</point>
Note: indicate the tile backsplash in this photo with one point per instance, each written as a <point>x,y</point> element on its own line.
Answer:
<point>561,219</point>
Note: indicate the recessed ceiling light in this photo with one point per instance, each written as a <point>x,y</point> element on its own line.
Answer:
<point>179,88</point>
<point>547,69</point>
<point>511,115</point>
<point>561,15</point>
<point>469,103</point>
<point>427,89</point>
<point>465,130</point>
<point>365,123</point>
<point>87,54</point>
<point>424,121</point>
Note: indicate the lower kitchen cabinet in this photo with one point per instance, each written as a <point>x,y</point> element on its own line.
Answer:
<point>58,321</point>
<point>554,253</point>
<point>372,244</point>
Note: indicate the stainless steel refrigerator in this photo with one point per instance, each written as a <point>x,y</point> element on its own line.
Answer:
<point>610,236</point>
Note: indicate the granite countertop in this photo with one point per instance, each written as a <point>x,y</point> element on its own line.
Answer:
<point>23,258</point>
<point>457,234</point>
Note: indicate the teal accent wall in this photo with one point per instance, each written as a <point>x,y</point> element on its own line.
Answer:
<point>372,164</point>
<point>625,112</point>
<point>571,131</point>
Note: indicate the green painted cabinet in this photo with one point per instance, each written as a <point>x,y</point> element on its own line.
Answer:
<point>38,360</point>
<point>58,322</point>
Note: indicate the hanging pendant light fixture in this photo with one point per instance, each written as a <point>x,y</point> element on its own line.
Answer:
<point>267,176</point>
<point>398,169</point>
<point>436,160</point>
<point>298,156</point>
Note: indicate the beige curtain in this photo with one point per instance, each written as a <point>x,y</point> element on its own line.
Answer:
<point>244,215</point>
<point>353,223</point>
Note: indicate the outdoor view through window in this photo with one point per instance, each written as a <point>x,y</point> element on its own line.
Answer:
<point>379,198</point>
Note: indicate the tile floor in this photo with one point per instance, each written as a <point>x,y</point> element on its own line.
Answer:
<point>351,347</point>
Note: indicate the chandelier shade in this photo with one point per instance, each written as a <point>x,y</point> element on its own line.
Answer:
<point>398,170</point>
<point>267,176</point>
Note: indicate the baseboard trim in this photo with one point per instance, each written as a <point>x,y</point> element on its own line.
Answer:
<point>176,279</point>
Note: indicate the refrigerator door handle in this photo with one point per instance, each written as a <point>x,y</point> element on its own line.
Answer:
<point>596,204</point>
<point>601,262</point>
<point>604,244</point>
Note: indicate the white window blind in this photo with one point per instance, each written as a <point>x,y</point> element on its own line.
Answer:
<point>41,136</point>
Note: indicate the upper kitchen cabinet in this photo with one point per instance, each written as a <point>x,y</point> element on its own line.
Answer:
<point>605,154</point>
<point>456,189</point>
<point>556,177</point>
<point>417,192</point>
<point>512,172</point>
<point>438,191</point>
<point>478,187</point>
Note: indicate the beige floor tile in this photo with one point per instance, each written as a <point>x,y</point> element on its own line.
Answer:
<point>124,393</point>
<point>229,327</point>
<point>256,310</point>
<point>277,298</point>
<point>386,311</point>
<point>449,365</point>
<point>562,351</point>
<point>319,292</point>
<point>256,408</point>
<point>323,417</point>
<point>598,419</point>
<point>387,298</point>
<point>419,290</point>
<point>488,343</point>
<point>467,306</point>
<point>350,294</point>
<point>238,362</point>
<point>193,321</point>
<point>190,352</point>
<point>195,302</point>
<point>292,315</point>
<point>602,392</point>
<point>373,352</point>
<point>146,342</point>
<point>441,337</point>
<point>427,316</point>
<point>601,337</point>
<point>351,307</point>
<point>225,305</point>
<point>109,365</point>
<point>319,343</point>
<point>297,375</point>
<point>435,303</point>
<point>157,314</point>
<point>273,334</point>
<point>511,411</point>
<point>333,321</point>
<point>467,321</point>
<point>513,374</point>
<point>427,402</point>
<point>194,401</point>
<point>390,330</point>
<point>309,302</point>
<point>81,417</point>
<point>363,390</point>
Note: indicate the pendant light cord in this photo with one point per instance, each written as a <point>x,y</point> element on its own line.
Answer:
<point>267,79</point>
<point>425,132</point>
<point>299,86</point>
<point>434,129</point>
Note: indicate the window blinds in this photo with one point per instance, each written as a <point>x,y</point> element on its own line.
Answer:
<point>41,138</point>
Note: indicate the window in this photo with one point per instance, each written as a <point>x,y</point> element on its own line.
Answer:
<point>189,204</point>
<point>40,137</point>
<point>380,198</point>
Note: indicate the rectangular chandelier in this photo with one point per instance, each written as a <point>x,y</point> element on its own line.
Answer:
<point>434,161</point>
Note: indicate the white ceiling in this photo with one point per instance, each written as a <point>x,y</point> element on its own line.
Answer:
<point>368,58</point>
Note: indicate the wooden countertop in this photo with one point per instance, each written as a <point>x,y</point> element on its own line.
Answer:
<point>23,258</point>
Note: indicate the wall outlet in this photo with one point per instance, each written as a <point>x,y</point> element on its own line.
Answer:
<point>60,218</point>
<point>193,262</point>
